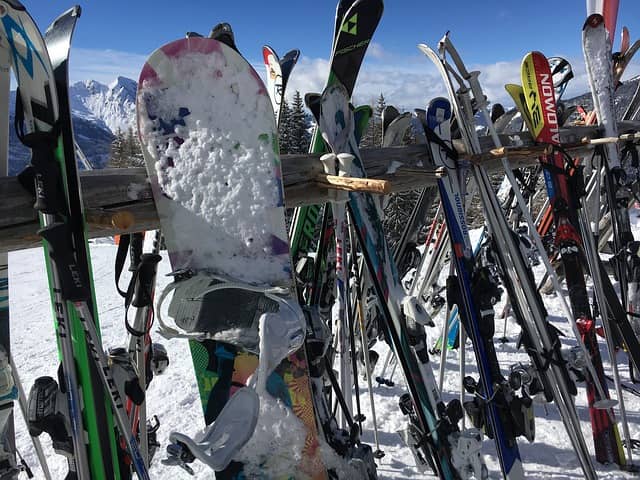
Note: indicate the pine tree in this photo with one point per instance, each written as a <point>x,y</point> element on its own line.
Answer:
<point>284,128</point>
<point>298,127</point>
<point>117,152</point>
<point>372,138</point>
<point>126,150</point>
<point>377,120</point>
<point>134,150</point>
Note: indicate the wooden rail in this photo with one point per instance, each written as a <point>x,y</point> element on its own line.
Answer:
<point>120,200</point>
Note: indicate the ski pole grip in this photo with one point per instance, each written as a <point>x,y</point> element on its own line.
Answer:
<point>50,198</point>
<point>135,250</point>
<point>146,280</point>
<point>72,285</point>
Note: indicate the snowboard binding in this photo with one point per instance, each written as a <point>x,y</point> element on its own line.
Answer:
<point>195,308</point>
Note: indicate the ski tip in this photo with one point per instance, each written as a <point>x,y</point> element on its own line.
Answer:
<point>15,4</point>
<point>312,98</point>
<point>267,51</point>
<point>593,20</point>
<point>292,55</point>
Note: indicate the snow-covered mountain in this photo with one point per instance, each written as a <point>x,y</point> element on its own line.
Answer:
<point>98,112</point>
<point>112,106</point>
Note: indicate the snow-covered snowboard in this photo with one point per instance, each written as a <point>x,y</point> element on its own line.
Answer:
<point>211,149</point>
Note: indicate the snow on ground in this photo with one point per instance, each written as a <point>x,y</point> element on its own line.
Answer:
<point>174,399</point>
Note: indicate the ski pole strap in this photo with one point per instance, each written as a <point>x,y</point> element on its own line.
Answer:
<point>135,250</point>
<point>121,255</point>
<point>432,137</point>
<point>48,191</point>
<point>145,280</point>
<point>140,291</point>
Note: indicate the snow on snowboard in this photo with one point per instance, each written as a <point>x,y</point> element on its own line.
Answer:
<point>210,144</point>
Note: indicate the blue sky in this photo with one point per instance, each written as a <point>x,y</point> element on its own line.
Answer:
<point>114,37</point>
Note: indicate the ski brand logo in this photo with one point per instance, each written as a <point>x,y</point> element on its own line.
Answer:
<point>350,25</point>
<point>350,48</point>
<point>309,228</point>
<point>549,105</point>
<point>462,222</point>
<point>540,97</point>
<point>532,95</point>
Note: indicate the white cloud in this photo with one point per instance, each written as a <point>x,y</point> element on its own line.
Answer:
<point>407,82</point>
<point>376,50</point>
<point>412,81</point>
<point>104,65</point>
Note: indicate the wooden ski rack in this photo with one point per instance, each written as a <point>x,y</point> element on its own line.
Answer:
<point>120,200</point>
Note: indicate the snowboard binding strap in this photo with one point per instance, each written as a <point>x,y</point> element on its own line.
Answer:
<point>190,288</point>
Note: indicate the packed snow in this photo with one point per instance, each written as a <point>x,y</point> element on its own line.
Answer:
<point>174,398</point>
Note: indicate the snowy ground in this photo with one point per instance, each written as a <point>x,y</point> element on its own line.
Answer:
<point>173,397</point>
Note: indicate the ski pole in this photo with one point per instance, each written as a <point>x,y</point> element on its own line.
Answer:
<point>143,300</point>
<point>505,314</point>
<point>48,203</point>
<point>72,288</point>
<point>359,417</point>
<point>22,401</point>
<point>378,453</point>
<point>387,360</point>
<point>330,164</point>
<point>100,357</point>
<point>389,381</point>
<point>591,252</point>
<point>444,347</point>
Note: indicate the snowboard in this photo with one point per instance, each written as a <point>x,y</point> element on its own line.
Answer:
<point>211,149</point>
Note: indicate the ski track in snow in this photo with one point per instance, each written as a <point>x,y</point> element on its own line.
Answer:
<point>173,397</point>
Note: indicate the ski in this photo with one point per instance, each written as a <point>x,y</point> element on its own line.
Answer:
<point>563,197</point>
<point>596,45</point>
<point>542,342</point>
<point>44,125</point>
<point>356,23</point>
<point>503,420</point>
<point>278,71</point>
<point>9,394</point>
<point>389,114</point>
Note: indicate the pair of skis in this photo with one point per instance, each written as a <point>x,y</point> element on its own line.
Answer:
<point>564,199</point>
<point>92,403</point>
